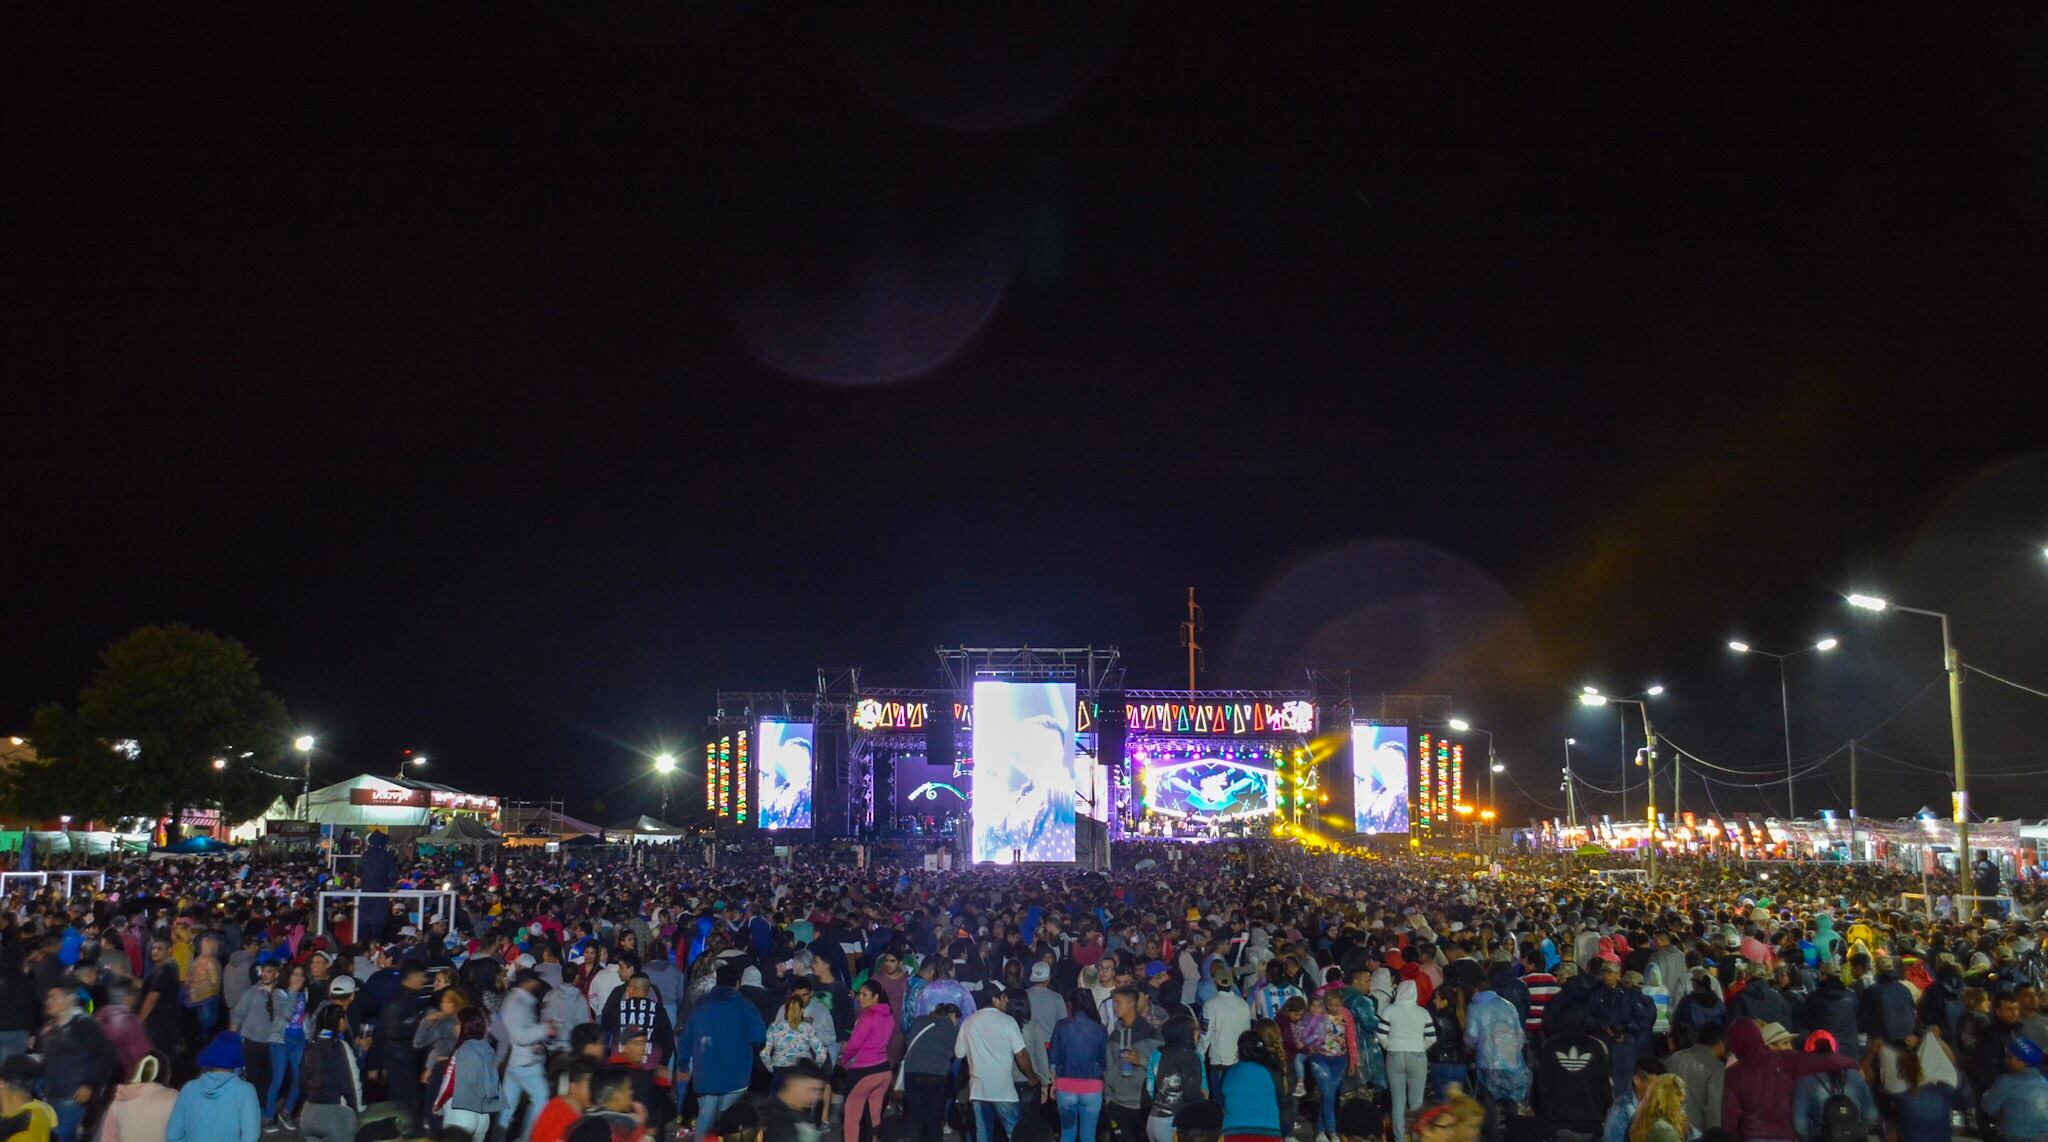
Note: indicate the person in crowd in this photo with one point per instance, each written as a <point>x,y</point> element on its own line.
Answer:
<point>1174,1077</point>
<point>1130,1043</point>
<point>869,1073</point>
<point>1661,1112</point>
<point>2018,1101</point>
<point>1254,1090</point>
<point>333,1082</point>
<point>1572,1089</point>
<point>1225,1019</point>
<point>525,1080</point>
<point>789,1113</point>
<point>572,1078</point>
<point>219,1105</point>
<point>141,1109</point>
<point>1406,1033</point>
<point>78,1059</point>
<point>23,1116</point>
<point>470,1095</point>
<point>715,1052</point>
<point>926,1077</point>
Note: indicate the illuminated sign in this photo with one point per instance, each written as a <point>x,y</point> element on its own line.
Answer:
<point>389,798</point>
<point>469,801</point>
<point>725,776</point>
<point>1221,718</point>
<point>871,714</point>
<point>1440,779</point>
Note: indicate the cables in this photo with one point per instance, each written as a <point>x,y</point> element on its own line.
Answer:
<point>2007,681</point>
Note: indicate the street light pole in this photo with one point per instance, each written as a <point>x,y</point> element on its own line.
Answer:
<point>664,764</point>
<point>1785,706</point>
<point>1592,697</point>
<point>304,744</point>
<point>1952,663</point>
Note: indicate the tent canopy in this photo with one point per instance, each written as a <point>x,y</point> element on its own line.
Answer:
<point>461,831</point>
<point>198,846</point>
<point>644,825</point>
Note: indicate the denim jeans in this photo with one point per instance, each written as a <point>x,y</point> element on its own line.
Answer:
<point>531,1079</point>
<point>1406,1072</point>
<point>285,1056</point>
<point>1442,1075</point>
<point>710,1106</point>
<point>70,1115</point>
<point>1078,1114</point>
<point>988,1114</point>
<point>1329,1080</point>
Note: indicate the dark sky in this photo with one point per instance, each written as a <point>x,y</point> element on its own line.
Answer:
<point>511,378</point>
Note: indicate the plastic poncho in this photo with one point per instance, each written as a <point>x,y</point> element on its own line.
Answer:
<point>1365,1015</point>
<point>1493,1032</point>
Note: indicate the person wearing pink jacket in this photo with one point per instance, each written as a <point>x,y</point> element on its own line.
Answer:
<point>866,1061</point>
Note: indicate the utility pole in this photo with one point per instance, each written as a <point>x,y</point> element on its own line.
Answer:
<point>1650,770</point>
<point>1953,662</point>
<point>1852,800</point>
<point>1571,802</point>
<point>1188,630</point>
<point>1785,704</point>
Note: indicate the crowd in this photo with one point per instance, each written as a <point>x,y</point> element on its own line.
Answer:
<point>1196,993</point>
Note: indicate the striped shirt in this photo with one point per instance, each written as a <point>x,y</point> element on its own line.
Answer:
<point>1542,985</point>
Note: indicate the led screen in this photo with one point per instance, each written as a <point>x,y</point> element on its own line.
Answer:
<point>1023,771</point>
<point>783,753</point>
<point>1208,789</point>
<point>1379,777</point>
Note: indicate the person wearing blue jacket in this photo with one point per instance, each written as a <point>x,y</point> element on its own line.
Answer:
<point>219,1105</point>
<point>1078,1053</point>
<point>715,1051</point>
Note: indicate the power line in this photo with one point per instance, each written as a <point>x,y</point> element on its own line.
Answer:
<point>2007,681</point>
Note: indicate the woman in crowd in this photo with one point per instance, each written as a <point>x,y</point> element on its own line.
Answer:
<point>470,1094</point>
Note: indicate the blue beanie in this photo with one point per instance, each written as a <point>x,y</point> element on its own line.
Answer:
<point>223,1054</point>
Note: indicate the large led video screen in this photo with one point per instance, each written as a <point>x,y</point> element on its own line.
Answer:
<point>783,754</point>
<point>1023,771</point>
<point>1379,778</point>
<point>1204,789</point>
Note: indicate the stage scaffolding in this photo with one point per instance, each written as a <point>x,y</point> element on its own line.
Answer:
<point>846,801</point>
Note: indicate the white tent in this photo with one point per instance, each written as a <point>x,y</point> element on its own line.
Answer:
<point>338,804</point>
<point>461,832</point>
<point>643,829</point>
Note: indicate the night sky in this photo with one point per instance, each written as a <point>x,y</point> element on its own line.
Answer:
<point>511,378</point>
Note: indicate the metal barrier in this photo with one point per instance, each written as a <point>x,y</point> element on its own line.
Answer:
<point>7,880</point>
<point>71,875</point>
<point>1927,901</point>
<point>417,911</point>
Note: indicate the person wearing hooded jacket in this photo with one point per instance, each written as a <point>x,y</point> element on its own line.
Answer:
<point>1757,1093</point>
<point>218,1106</point>
<point>1832,1008</point>
<point>1406,1032</point>
<point>715,1052</point>
<point>141,1109</point>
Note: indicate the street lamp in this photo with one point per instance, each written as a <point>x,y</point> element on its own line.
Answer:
<point>220,763</point>
<point>1592,697</point>
<point>1493,766</point>
<point>408,759</point>
<point>304,744</point>
<point>1952,663</point>
<point>664,764</point>
<point>1785,703</point>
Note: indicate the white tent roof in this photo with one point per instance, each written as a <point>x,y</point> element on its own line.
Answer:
<point>332,805</point>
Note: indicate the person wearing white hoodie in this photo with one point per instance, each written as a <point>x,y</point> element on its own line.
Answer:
<point>1405,1032</point>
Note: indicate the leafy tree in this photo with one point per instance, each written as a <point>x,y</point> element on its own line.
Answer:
<point>166,702</point>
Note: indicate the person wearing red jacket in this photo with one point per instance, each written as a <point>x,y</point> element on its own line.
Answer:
<point>1757,1095</point>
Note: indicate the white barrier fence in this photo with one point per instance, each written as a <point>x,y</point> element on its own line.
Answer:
<point>423,906</point>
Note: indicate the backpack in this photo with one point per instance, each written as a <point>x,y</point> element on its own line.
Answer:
<point>1840,1119</point>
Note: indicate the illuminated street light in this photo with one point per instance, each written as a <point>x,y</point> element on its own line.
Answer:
<point>1952,664</point>
<point>220,763</point>
<point>1460,725</point>
<point>304,744</point>
<point>1592,698</point>
<point>664,764</point>
<point>1785,703</point>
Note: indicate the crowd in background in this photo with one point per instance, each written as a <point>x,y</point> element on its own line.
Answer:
<point>1196,992</point>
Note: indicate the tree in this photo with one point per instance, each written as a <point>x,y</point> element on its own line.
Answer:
<point>167,701</point>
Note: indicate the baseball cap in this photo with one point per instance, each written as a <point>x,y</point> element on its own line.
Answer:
<point>1154,968</point>
<point>2025,1050</point>
<point>342,985</point>
<point>525,960</point>
<point>1041,972</point>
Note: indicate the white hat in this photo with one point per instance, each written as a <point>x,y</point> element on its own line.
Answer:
<point>524,961</point>
<point>408,930</point>
<point>1041,972</point>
